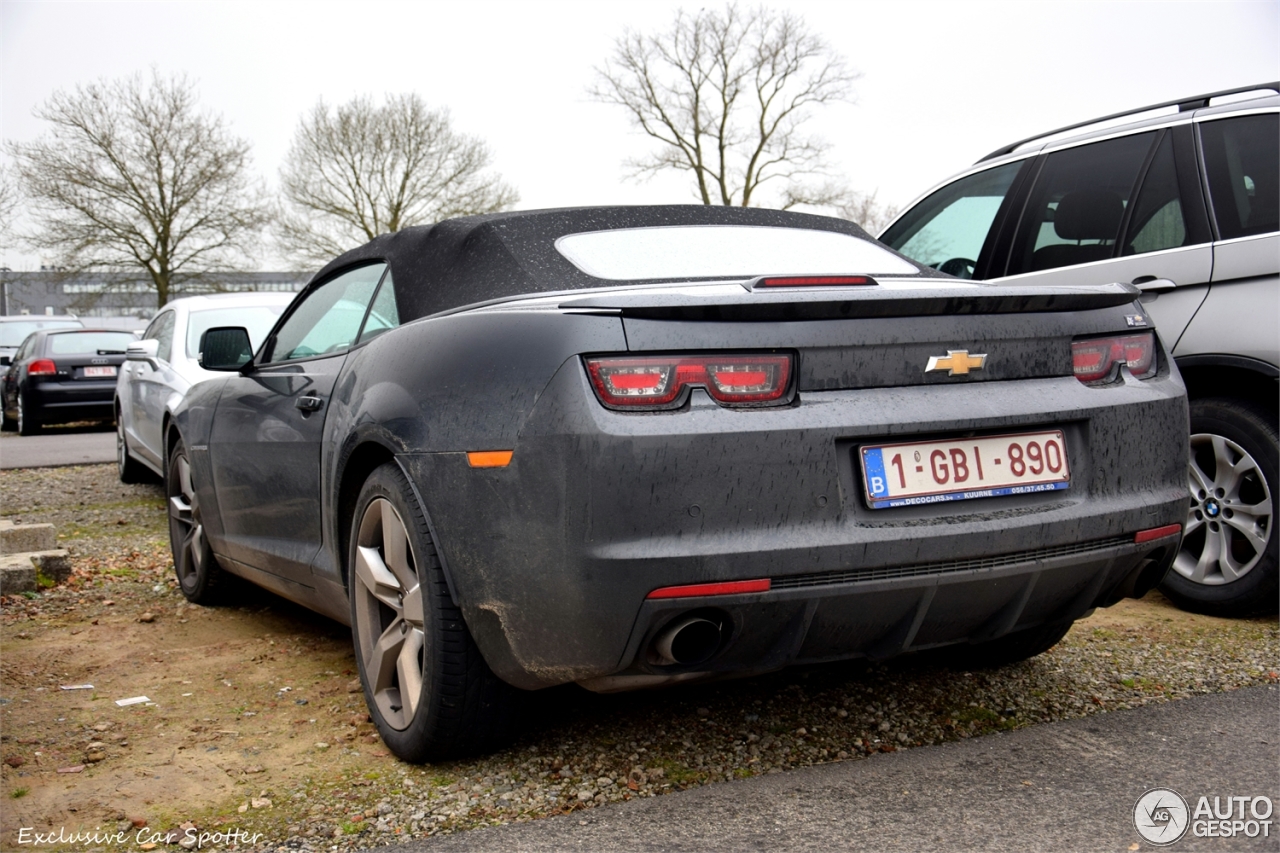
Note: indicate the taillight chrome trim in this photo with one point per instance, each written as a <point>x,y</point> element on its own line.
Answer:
<point>663,382</point>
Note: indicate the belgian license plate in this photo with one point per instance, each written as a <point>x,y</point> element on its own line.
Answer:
<point>100,371</point>
<point>926,472</point>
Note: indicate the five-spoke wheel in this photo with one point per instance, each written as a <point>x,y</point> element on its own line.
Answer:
<point>193,560</point>
<point>429,690</point>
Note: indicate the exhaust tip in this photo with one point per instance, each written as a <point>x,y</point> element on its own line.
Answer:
<point>690,641</point>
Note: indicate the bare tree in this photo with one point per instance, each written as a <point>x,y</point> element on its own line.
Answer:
<point>8,206</point>
<point>363,170</point>
<point>863,208</point>
<point>132,177</point>
<point>726,95</point>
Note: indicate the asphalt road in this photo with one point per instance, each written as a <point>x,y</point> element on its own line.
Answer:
<point>1069,786</point>
<point>67,446</point>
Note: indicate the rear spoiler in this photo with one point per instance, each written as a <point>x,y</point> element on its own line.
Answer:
<point>918,298</point>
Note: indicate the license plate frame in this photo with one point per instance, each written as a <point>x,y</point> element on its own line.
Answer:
<point>915,480</point>
<point>98,371</point>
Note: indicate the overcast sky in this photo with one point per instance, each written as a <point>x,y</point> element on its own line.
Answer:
<point>943,82</point>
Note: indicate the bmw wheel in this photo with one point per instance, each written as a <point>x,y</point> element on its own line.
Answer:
<point>430,693</point>
<point>198,572</point>
<point>1226,565</point>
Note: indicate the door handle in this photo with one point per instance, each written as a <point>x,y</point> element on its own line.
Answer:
<point>309,404</point>
<point>1151,284</point>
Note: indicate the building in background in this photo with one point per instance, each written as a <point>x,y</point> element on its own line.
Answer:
<point>120,300</point>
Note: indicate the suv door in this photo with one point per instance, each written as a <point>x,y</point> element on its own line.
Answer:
<point>264,445</point>
<point>1125,209</point>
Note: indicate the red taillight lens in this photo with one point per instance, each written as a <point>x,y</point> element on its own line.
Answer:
<point>813,281</point>
<point>659,382</point>
<point>1098,360</point>
<point>42,367</point>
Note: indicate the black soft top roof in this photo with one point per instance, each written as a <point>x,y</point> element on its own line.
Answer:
<point>476,259</point>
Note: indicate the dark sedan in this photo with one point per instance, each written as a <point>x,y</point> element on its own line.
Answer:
<point>627,447</point>
<point>57,377</point>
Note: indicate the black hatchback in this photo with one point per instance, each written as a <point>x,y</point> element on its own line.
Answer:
<point>60,376</point>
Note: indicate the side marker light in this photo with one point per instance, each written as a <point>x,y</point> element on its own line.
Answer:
<point>1156,533</point>
<point>489,458</point>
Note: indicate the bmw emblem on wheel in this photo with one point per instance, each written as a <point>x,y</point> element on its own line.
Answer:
<point>1161,816</point>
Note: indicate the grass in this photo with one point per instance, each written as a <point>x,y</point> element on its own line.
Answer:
<point>19,793</point>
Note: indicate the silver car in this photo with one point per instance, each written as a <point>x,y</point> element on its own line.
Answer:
<point>160,368</point>
<point>1183,202</point>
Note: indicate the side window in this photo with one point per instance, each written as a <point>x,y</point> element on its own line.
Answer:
<point>163,326</point>
<point>383,314</point>
<point>1158,222</point>
<point>328,319</point>
<point>1075,209</point>
<point>947,230</point>
<point>1242,160</point>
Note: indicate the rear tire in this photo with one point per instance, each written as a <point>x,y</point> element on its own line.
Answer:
<point>27,423</point>
<point>130,469</point>
<point>1227,562</point>
<point>1012,648</point>
<point>199,575</point>
<point>430,692</point>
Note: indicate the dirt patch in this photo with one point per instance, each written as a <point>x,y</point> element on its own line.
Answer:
<point>255,721</point>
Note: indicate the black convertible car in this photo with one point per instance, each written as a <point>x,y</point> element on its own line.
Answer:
<point>627,447</point>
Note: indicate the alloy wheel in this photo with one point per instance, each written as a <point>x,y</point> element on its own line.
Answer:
<point>389,614</point>
<point>1229,520</point>
<point>185,527</point>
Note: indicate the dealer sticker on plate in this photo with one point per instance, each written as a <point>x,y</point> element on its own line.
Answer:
<point>926,472</point>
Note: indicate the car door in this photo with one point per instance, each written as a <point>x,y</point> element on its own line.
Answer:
<point>264,444</point>
<point>1126,209</point>
<point>150,385</point>
<point>1242,158</point>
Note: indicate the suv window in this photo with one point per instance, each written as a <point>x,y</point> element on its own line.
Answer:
<point>328,319</point>
<point>1158,221</point>
<point>948,229</point>
<point>1242,160</point>
<point>1074,212</point>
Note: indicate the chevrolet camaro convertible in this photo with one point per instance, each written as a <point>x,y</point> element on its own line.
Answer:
<point>628,447</point>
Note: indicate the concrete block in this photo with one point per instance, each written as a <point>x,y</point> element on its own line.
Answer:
<point>54,565</point>
<point>26,538</point>
<point>17,574</point>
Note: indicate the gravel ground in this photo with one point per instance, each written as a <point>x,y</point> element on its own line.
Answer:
<point>581,750</point>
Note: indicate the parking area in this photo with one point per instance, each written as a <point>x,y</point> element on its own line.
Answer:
<point>254,719</point>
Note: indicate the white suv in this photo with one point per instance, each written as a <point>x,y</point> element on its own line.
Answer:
<point>1185,204</point>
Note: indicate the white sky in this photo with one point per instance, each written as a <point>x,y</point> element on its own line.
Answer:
<point>943,82</point>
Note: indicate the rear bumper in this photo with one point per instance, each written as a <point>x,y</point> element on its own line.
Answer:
<point>62,402</point>
<point>552,557</point>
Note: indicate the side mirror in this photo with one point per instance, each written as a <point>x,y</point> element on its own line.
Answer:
<point>225,348</point>
<point>143,351</point>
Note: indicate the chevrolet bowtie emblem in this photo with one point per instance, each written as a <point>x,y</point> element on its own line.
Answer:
<point>956,361</point>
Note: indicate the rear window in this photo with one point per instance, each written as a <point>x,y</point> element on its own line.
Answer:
<point>98,343</point>
<point>12,334</point>
<point>725,251</point>
<point>257,319</point>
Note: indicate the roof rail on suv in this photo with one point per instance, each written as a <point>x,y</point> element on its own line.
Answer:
<point>1183,104</point>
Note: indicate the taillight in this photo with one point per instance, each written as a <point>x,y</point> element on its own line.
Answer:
<point>812,281</point>
<point>662,382</point>
<point>42,367</point>
<point>1097,361</point>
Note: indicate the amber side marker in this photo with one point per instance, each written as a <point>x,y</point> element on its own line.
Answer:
<point>489,458</point>
<point>1156,533</point>
<point>728,588</point>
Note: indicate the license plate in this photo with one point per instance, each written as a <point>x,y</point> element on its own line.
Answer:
<point>926,472</point>
<point>100,371</point>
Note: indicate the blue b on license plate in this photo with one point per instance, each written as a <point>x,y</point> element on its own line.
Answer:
<point>925,472</point>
